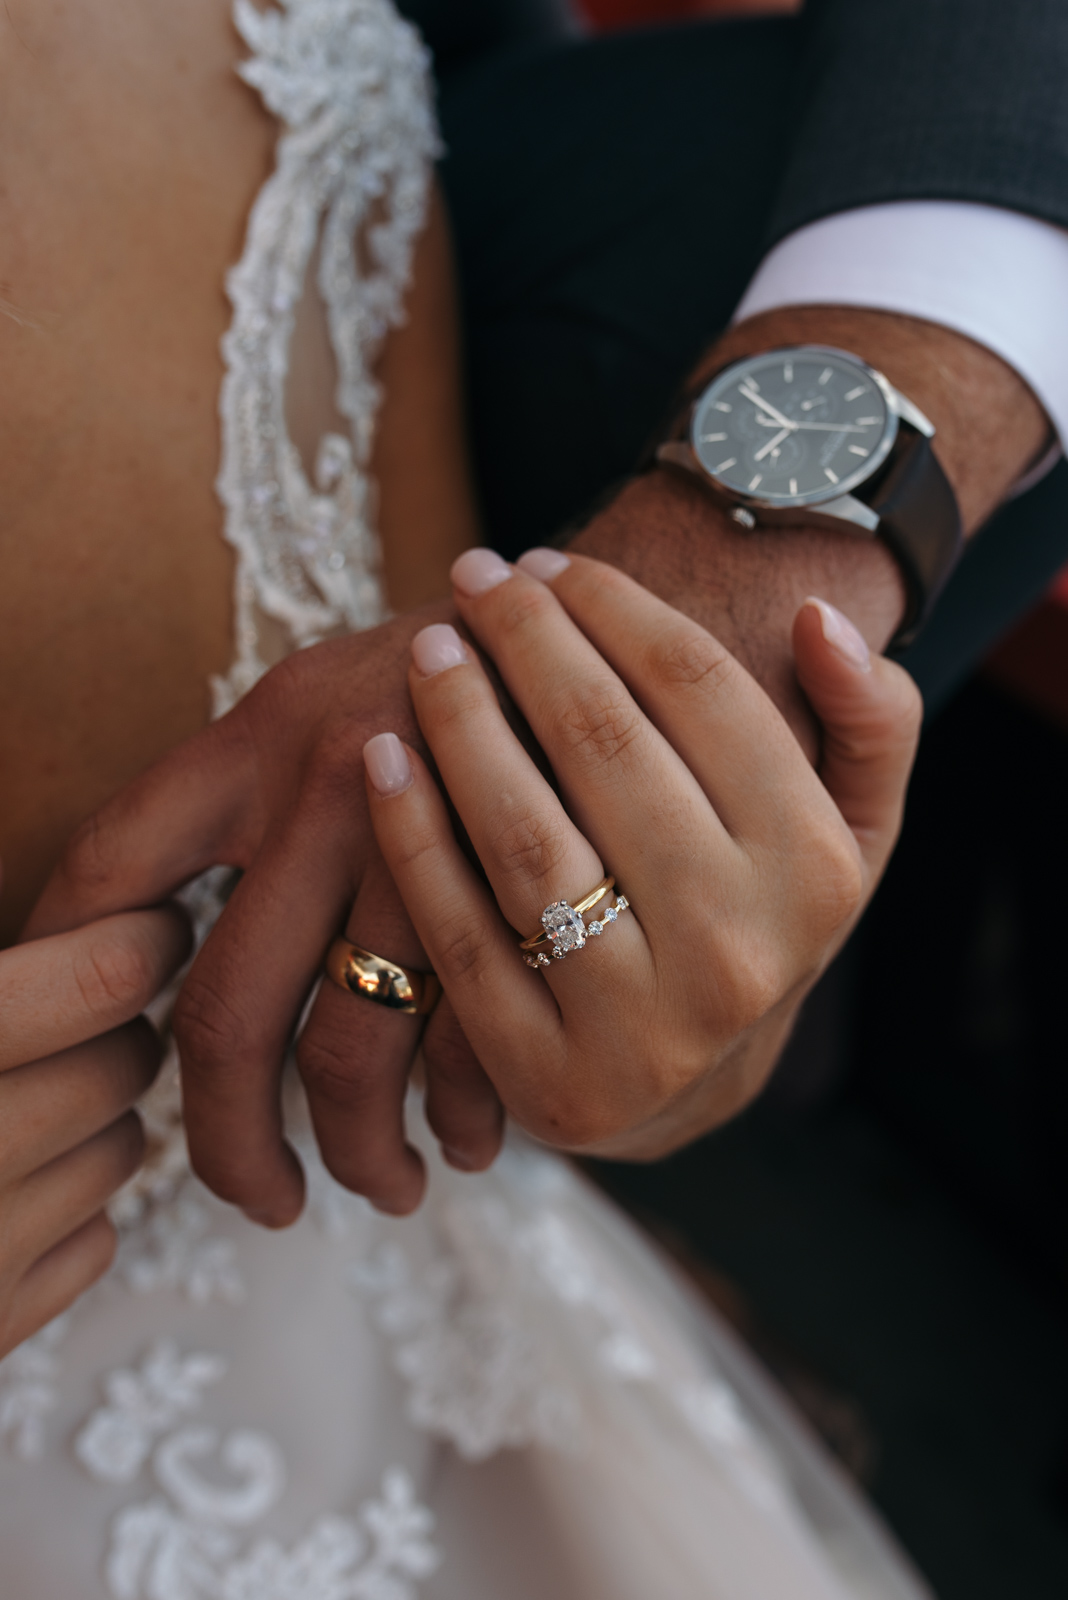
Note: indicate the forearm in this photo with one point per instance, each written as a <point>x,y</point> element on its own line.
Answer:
<point>747,587</point>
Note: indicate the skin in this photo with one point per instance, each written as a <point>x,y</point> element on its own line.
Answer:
<point>117,224</point>
<point>74,1057</point>
<point>674,764</point>
<point>276,789</point>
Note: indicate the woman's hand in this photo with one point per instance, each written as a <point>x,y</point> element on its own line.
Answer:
<point>73,1060</point>
<point>745,869</point>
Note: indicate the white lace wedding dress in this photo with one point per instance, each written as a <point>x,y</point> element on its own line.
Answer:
<point>508,1396</point>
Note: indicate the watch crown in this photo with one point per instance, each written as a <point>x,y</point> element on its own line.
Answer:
<point>744,518</point>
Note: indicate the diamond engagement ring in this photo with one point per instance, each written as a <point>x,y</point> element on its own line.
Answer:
<point>563,928</point>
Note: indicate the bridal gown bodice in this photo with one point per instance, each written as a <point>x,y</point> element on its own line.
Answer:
<point>508,1396</point>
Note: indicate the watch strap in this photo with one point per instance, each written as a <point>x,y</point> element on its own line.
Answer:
<point>919,521</point>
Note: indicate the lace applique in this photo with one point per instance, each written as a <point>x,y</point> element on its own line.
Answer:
<point>471,1340</point>
<point>175,1250</point>
<point>159,1552</point>
<point>28,1389</point>
<point>349,81</point>
<point>476,1372</point>
<point>183,1542</point>
<point>116,1441</point>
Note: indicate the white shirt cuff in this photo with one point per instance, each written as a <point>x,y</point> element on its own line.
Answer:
<point>998,276</point>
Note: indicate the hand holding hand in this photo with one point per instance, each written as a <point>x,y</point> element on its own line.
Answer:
<point>276,788</point>
<point>73,1060</point>
<point>745,868</point>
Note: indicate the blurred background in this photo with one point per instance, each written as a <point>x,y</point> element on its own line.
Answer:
<point>887,1225</point>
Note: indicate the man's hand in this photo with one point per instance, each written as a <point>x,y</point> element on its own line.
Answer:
<point>746,588</point>
<point>276,789</point>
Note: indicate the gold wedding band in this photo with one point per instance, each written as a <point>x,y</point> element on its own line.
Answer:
<point>385,982</point>
<point>587,902</point>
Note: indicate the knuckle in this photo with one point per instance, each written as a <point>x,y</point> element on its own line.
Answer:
<point>749,981</point>
<point>520,607</point>
<point>836,878</point>
<point>206,1026</point>
<point>463,953</point>
<point>532,849</point>
<point>335,764</point>
<point>115,974</point>
<point>92,857</point>
<point>689,658</point>
<point>331,1072</point>
<point>599,722</point>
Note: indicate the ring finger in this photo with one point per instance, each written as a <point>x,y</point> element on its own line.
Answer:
<point>532,852</point>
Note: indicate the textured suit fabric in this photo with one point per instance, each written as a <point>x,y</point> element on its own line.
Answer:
<point>611,198</point>
<point>929,99</point>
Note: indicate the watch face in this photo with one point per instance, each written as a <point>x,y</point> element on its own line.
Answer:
<point>794,427</point>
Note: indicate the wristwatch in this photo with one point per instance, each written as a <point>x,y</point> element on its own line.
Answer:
<point>814,435</point>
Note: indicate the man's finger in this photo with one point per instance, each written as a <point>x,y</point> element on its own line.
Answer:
<point>57,1279</point>
<point>188,812</point>
<point>462,1106</point>
<point>355,1057</point>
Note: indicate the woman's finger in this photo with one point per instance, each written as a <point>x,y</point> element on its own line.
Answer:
<point>616,772</point>
<point>56,1199</point>
<point>870,711</point>
<point>532,852</point>
<point>52,1106</point>
<point>59,991</point>
<point>57,1279</point>
<point>496,998</point>
<point>707,706</point>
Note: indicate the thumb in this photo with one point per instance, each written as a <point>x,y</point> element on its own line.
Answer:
<point>870,711</point>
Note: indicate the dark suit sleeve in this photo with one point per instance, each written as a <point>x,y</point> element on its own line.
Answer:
<point>929,99</point>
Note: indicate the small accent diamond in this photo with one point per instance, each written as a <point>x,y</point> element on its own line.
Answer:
<point>595,928</point>
<point>611,914</point>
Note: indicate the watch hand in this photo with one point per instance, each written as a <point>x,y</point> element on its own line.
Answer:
<point>758,400</point>
<point>832,427</point>
<point>771,444</point>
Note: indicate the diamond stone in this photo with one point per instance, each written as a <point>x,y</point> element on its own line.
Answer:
<point>564,926</point>
<point>611,914</point>
<point>595,928</point>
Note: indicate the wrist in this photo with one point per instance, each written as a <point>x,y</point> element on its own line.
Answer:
<point>990,428</point>
<point>745,587</point>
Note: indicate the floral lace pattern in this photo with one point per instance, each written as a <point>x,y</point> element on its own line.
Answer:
<point>349,81</point>
<point>28,1389</point>
<point>183,1543</point>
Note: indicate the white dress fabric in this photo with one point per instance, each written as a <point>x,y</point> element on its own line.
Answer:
<point>508,1396</point>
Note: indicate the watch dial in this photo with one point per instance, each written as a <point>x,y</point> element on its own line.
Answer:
<point>793,426</point>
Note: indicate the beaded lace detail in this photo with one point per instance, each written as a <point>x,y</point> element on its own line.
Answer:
<point>348,79</point>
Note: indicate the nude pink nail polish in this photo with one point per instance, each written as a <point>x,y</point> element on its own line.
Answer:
<point>841,635</point>
<point>438,647</point>
<point>478,570</point>
<point>543,563</point>
<point>387,764</point>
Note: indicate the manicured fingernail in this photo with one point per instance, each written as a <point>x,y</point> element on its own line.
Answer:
<point>457,1159</point>
<point>543,563</point>
<point>841,635</point>
<point>438,647</point>
<point>478,570</point>
<point>387,764</point>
